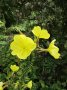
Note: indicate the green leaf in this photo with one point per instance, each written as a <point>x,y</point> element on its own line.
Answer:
<point>3,42</point>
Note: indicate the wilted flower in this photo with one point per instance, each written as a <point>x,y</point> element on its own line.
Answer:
<point>22,46</point>
<point>53,50</point>
<point>14,68</point>
<point>40,33</point>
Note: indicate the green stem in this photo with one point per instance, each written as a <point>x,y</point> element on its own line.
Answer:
<point>42,49</point>
<point>36,40</point>
<point>19,31</point>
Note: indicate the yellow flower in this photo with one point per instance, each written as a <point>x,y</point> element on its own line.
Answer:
<point>14,68</point>
<point>1,88</point>
<point>22,46</point>
<point>53,50</point>
<point>29,84</point>
<point>1,85</point>
<point>40,33</point>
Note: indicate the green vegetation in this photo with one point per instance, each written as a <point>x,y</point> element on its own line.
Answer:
<point>45,72</point>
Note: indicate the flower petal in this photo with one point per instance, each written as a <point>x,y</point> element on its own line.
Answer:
<point>53,50</point>
<point>54,53</point>
<point>14,68</point>
<point>36,31</point>
<point>22,46</point>
<point>44,34</point>
<point>24,54</point>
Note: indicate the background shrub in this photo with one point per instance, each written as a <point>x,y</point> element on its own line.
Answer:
<point>45,72</point>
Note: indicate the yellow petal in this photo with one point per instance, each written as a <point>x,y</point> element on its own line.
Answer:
<point>30,44</point>
<point>17,48</point>
<point>14,68</point>
<point>40,33</point>
<point>19,40</point>
<point>19,37</point>
<point>24,54</point>
<point>44,34</point>
<point>52,43</point>
<point>53,50</point>
<point>54,53</point>
<point>29,84</point>
<point>36,31</point>
<point>22,46</point>
<point>1,88</point>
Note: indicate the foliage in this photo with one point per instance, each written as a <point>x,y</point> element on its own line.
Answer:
<point>45,72</point>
